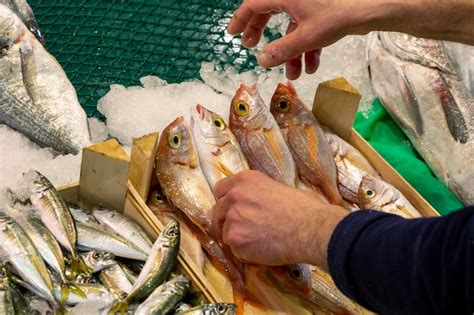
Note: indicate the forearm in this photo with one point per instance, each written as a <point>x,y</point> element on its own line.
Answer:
<point>451,20</point>
<point>395,265</point>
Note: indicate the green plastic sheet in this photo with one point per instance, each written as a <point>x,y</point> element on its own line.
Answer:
<point>381,131</point>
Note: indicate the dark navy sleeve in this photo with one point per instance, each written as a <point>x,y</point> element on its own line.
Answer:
<point>398,266</point>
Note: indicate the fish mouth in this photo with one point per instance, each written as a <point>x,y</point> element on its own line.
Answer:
<point>251,89</point>
<point>200,110</point>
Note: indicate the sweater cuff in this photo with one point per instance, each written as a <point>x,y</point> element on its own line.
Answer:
<point>343,240</point>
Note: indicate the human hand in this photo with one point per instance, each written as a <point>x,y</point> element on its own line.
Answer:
<point>314,24</point>
<point>268,223</point>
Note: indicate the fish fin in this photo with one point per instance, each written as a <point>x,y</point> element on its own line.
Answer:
<point>223,169</point>
<point>411,104</point>
<point>120,307</point>
<point>454,117</point>
<point>70,288</point>
<point>406,212</point>
<point>78,267</point>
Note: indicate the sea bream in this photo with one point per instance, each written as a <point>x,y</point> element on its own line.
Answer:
<point>25,13</point>
<point>36,97</point>
<point>305,138</point>
<point>260,137</point>
<point>379,195</point>
<point>351,166</point>
<point>180,174</point>
<point>417,85</point>
<point>219,152</point>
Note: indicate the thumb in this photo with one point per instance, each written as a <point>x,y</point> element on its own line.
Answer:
<point>288,47</point>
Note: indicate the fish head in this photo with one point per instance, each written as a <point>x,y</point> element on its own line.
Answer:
<point>98,260</point>
<point>171,231</point>
<point>103,213</point>
<point>374,193</point>
<point>10,27</point>
<point>285,104</point>
<point>209,126</point>
<point>219,309</point>
<point>40,183</point>
<point>176,145</point>
<point>294,278</point>
<point>247,109</point>
<point>4,277</point>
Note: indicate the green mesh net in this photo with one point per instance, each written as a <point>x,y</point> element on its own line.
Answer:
<point>100,42</point>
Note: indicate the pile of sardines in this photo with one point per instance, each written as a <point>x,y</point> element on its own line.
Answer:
<point>57,257</point>
<point>284,141</point>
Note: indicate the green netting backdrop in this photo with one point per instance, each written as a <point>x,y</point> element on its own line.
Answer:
<point>100,42</point>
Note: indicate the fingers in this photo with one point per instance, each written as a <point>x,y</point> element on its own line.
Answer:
<point>219,214</point>
<point>293,68</point>
<point>311,61</point>
<point>248,10</point>
<point>253,30</point>
<point>223,186</point>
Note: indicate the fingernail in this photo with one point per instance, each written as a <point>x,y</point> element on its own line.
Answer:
<point>264,59</point>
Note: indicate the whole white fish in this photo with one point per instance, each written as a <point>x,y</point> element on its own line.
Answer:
<point>165,297</point>
<point>219,152</point>
<point>379,195</point>
<point>116,222</point>
<point>417,85</point>
<point>92,238</point>
<point>18,249</point>
<point>36,97</point>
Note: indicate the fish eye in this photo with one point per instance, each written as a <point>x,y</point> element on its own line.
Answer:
<point>2,273</point>
<point>220,308</point>
<point>174,141</point>
<point>242,109</point>
<point>369,193</point>
<point>296,273</point>
<point>96,255</point>
<point>158,198</point>
<point>219,123</point>
<point>283,106</point>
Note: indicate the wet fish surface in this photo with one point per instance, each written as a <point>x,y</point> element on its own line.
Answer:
<point>36,97</point>
<point>379,195</point>
<point>416,83</point>
<point>260,137</point>
<point>307,142</point>
<point>118,223</point>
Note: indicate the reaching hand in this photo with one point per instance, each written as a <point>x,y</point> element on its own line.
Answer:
<point>314,24</point>
<point>266,222</point>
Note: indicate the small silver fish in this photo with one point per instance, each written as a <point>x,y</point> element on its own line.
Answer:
<point>89,292</point>
<point>211,309</point>
<point>158,265</point>
<point>18,249</point>
<point>116,278</point>
<point>116,222</point>
<point>56,216</point>
<point>92,238</point>
<point>97,260</point>
<point>165,297</point>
